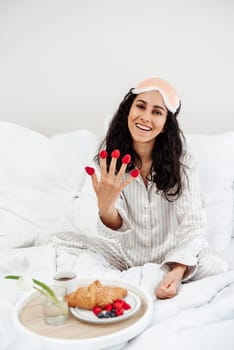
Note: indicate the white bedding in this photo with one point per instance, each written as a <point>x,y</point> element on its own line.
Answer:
<point>36,170</point>
<point>200,317</point>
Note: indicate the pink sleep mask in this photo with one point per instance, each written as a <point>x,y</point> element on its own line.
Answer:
<point>168,93</point>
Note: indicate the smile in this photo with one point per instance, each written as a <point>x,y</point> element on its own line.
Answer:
<point>143,127</point>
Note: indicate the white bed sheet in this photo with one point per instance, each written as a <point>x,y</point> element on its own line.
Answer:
<point>200,317</point>
<point>228,254</point>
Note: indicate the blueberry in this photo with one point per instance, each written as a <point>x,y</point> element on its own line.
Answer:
<point>113,314</point>
<point>108,314</point>
<point>100,315</point>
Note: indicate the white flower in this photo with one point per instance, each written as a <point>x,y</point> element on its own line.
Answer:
<point>25,282</point>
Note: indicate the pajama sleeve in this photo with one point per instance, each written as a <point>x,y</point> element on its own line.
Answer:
<point>126,226</point>
<point>191,216</point>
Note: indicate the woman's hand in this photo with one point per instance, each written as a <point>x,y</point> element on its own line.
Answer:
<point>168,288</point>
<point>110,185</point>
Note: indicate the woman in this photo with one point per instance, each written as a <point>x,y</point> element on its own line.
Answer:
<point>148,192</point>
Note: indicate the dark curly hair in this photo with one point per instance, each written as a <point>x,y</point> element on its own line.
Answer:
<point>166,156</point>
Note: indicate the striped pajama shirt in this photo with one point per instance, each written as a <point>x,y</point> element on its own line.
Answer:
<point>155,230</point>
<point>158,231</point>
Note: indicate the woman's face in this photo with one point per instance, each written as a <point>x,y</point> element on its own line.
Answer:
<point>147,117</point>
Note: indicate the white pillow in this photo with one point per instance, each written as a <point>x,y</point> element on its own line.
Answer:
<point>39,179</point>
<point>86,209</point>
<point>233,210</point>
<point>215,154</point>
<point>69,154</point>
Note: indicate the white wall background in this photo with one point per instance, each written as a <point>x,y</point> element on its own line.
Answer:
<point>66,64</point>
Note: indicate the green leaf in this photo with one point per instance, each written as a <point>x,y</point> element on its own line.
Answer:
<point>12,277</point>
<point>46,290</point>
<point>45,287</point>
<point>39,283</point>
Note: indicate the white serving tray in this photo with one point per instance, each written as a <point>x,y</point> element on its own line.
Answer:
<point>75,334</point>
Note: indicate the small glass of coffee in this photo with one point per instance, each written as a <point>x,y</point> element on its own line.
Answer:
<point>66,279</point>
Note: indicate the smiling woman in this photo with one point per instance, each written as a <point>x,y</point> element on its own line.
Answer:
<point>149,202</point>
<point>147,118</point>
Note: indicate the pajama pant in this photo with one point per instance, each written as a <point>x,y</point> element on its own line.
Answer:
<point>208,262</point>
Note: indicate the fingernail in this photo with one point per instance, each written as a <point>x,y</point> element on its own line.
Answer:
<point>103,154</point>
<point>115,153</point>
<point>135,172</point>
<point>89,170</point>
<point>126,159</point>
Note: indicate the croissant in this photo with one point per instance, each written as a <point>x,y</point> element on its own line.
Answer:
<point>95,294</point>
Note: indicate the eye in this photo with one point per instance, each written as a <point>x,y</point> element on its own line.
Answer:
<point>157,112</point>
<point>139,105</point>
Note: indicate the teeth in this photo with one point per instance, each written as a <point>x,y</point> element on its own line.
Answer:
<point>143,127</point>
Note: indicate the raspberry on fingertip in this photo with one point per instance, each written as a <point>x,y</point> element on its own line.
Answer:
<point>89,170</point>
<point>115,153</point>
<point>135,172</point>
<point>126,159</point>
<point>103,154</point>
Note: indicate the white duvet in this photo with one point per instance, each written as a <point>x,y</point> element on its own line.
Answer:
<point>200,317</point>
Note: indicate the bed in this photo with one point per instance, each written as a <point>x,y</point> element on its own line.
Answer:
<point>44,192</point>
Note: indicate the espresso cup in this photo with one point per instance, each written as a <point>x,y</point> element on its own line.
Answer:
<point>66,279</point>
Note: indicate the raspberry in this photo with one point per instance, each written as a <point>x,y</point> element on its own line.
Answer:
<point>118,303</point>
<point>126,306</point>
<point>89,170</point>
<point>109,307</point>
<point>115,153</point>
<point>135,172</point>
<point>122,301</point>
<point>126,159</point>
<point>103,154</point>
<point>119,312</point>
<point>97,310</point>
